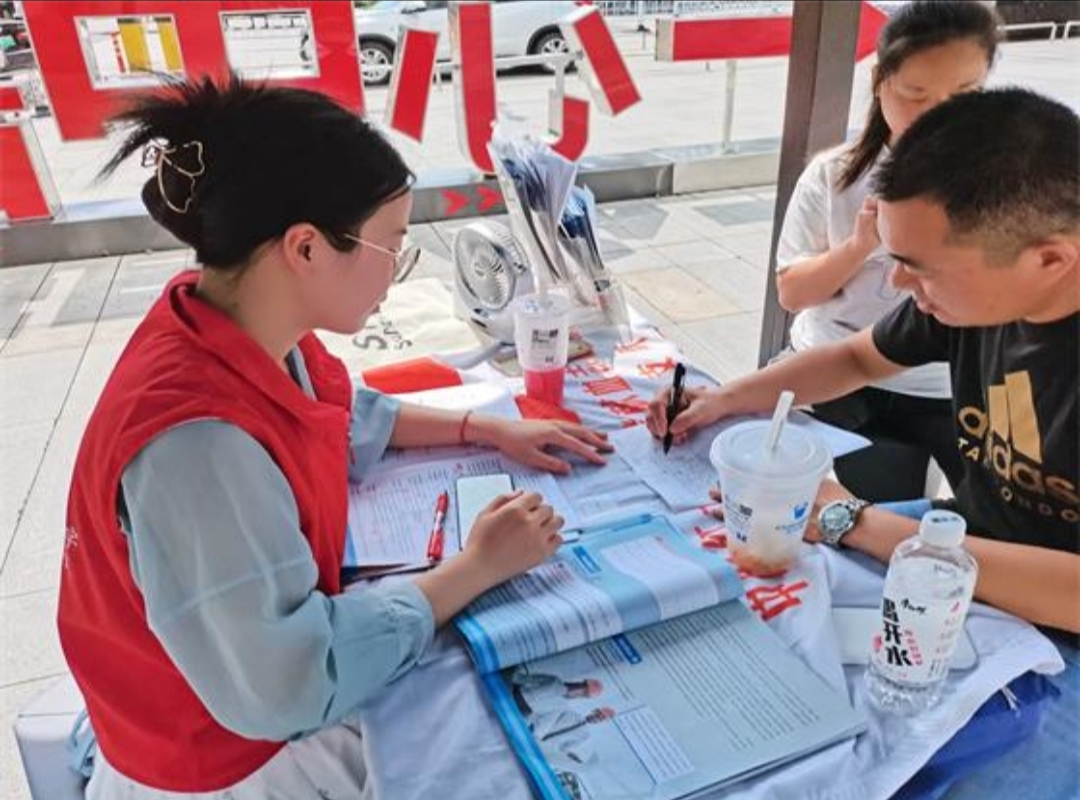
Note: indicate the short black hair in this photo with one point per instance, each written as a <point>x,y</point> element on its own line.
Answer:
<point>1004,164</point>
<point>266,158</point>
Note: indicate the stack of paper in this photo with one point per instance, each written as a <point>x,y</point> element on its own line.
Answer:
<point>683,476</point>
<point>391,514</point>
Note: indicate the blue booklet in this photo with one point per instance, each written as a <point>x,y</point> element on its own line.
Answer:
<point>626,667</point>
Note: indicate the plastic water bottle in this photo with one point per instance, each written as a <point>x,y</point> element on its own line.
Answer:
<point>927,594</point>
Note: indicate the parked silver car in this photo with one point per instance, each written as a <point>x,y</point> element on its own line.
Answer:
<point>519,28</point>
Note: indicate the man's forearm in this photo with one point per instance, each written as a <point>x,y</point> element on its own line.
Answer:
<point>1036,583</point>
<point>815,375</point>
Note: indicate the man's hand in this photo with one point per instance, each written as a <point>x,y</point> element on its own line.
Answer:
<point>699,408</point>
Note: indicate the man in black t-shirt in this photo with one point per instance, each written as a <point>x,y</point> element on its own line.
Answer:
<point>1015,399</point>
<point>979,205</point>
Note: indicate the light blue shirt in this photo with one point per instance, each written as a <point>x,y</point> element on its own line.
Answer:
<point>229,581</point>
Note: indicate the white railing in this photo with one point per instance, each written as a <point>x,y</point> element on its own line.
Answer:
<point>684,8</point>
<point>1066,28</point>
<point>1033,26</point>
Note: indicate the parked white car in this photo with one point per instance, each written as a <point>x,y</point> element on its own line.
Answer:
<point>519,28</point>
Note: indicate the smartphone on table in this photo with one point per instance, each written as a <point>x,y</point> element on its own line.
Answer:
<point>474,494</point>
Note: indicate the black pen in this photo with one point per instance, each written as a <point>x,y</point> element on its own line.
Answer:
<point>673,403</point>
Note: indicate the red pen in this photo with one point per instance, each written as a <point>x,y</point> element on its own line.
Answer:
<point>438,532</point>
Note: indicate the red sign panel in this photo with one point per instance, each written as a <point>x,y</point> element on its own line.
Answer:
<point>604,70</point>
<point>407,105</point>
<point>81,108</point>
<point>758,37</point>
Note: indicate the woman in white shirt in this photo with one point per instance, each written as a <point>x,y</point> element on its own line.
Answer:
<point>832,270</point>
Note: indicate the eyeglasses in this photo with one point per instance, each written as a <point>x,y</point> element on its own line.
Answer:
<point>404,259</point>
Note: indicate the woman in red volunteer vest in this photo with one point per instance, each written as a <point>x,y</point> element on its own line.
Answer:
<point>200,604</point>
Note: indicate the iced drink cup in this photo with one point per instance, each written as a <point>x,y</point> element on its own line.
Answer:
<point>542,336</point>
<point>768,496</point>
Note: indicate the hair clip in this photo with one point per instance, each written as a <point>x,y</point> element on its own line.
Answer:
<point>151,154</point>
<point>159,155</point>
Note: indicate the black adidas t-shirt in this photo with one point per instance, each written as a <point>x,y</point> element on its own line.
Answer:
<point>1015,395</point>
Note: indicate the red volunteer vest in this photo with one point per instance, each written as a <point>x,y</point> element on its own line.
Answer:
<point>186,361</point>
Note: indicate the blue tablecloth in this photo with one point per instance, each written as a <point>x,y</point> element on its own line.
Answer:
<point>1042,767</point>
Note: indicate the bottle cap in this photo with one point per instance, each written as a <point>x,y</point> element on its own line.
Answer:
<point>942,528</point>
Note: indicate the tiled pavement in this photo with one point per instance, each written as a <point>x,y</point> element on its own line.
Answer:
<point>694,264</point>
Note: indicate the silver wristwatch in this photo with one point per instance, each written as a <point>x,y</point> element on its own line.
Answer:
<point>837,518</point>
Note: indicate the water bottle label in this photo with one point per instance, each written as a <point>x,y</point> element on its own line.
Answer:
<point>917,639</point>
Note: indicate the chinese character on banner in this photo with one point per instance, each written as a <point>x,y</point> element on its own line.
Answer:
<point>654,369</point>
<point>771,601</point>
<point>633,346</point>
<point>628,407</point>
<point>603,386</point>
<point>588,367</point>
<point>712,538</point>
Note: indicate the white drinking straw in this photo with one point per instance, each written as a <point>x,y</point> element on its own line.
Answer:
<point>779,417</point>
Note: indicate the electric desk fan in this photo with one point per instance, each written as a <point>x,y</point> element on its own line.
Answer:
<point>490,270</point>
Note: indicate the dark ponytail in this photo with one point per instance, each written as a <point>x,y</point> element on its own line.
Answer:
<point>237,163</point>
<point>917,26</point>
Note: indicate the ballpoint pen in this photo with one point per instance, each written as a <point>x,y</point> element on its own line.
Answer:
<point>673,403</point>
<point>438,531</point>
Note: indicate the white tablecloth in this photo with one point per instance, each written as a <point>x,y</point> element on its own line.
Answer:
<point>432,734</point>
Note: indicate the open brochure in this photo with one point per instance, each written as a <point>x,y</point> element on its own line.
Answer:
<point>626,667</point>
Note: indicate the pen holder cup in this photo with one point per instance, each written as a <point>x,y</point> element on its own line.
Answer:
<point>542,336</point>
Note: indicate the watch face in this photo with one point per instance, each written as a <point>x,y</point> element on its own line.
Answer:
<point>835,518</point>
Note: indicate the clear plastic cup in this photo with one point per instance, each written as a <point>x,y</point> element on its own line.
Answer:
<point>768,495</point>
<point>542,336</point>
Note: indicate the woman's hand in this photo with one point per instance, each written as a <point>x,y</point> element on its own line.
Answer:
<point>699,407</point>
<point>530,442</point>
<point>514,533</point>
<point>865,237</point>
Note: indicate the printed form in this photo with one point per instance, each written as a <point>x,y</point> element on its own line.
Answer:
<point>683,477</point>
<point>391,513</point>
